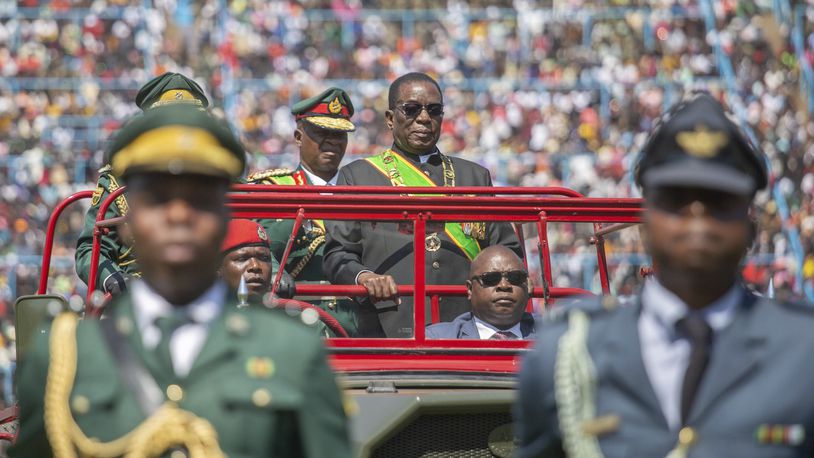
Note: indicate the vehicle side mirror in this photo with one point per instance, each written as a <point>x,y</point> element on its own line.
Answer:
<point>31,312</point>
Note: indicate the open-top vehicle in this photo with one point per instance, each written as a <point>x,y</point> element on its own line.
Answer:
<point>415,396</point>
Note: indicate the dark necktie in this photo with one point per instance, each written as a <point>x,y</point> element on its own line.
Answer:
<point>167,325</point>
<point>503,335</point>
<point>696,329</point>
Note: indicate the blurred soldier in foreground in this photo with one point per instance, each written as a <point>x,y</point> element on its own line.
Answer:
<point>379,255</point>
<point>323,123</point>
<point>117,262</point>
<point>177,368</point>
<point>498,289</point>
<point>699,366</point>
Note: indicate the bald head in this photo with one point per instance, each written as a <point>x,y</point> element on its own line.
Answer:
<point>498,289</point>
<point>485,257</point>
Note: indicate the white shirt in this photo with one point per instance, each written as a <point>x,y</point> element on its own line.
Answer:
<point>317,181</point>
<point>665,353</point>
<point>486,330</point>
<point>426,157</point>
<point>186,342</point>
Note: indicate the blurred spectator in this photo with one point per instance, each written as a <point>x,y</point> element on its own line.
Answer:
<point>534,92</point>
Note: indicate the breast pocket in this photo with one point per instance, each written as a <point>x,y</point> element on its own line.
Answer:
<point>103,409</point>
<point>257,417</point>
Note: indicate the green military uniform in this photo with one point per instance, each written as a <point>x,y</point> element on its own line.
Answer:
<point>259,387</point>
<point>262,395</point>
<point>116,258</point>
<point>330,110</point>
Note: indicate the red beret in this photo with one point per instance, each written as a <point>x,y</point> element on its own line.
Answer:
<point>243,232</point>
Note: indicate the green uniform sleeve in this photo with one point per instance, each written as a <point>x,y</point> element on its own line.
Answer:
<point>322,421</point>
<point>111,248</point>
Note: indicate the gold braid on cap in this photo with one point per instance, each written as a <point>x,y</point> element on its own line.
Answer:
<point>168,427</point>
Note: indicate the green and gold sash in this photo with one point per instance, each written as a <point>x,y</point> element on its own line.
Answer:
<point>402,172</point>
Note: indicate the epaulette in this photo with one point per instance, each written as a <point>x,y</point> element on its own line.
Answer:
<point>106,169</point>
<point>591,305</point>
<point>256,176</point>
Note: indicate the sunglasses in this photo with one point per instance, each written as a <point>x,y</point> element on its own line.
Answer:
<point>491,279</point>
<point>412,110</point>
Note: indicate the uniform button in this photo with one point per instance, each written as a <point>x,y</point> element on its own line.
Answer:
<point>80,404</point>
<point>427,172</point>
<point>436,265</point>
<point>261,397</point>
<point>175,393</point>
<point>687,436</point>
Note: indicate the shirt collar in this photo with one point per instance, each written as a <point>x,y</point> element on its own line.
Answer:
<point>317,181</point>
<point>149,305</point>
<point>487,330</point>
<point>422,158</point>
<point>667,308</point>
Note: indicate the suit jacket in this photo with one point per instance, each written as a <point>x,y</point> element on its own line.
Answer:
<point>387,248</point>
<point>759,374</point>
<point>464,327</point>
<point>303,418</point>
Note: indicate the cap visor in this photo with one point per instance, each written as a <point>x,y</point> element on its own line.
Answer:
<point>327,122</point>
<point>700,174</point>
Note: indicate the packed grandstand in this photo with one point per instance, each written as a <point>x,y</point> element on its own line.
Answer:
<point>543,93</point>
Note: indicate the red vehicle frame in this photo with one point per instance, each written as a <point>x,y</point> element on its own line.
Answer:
<point>540,206</point>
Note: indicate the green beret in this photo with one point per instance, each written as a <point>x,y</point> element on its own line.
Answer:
<point>332,110</point>
<point>170,88</point>
<point>176,139</point>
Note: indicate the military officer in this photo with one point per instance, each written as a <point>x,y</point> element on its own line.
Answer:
<point>697,366</point>
<point>380,256</point>
<point>323,123</point>
<point>177,367</point>
<point>116,259</point>
<point>246,254</point>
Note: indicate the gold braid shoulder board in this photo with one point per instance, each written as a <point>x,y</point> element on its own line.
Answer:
<point>167,428</point>
<point>270,173</point>
<point>121,202</point>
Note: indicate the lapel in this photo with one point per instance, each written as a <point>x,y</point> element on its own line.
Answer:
<point>737,351</point>
<point>468,328</point>
<point>625,365</point>
<point>223,339</point>
<point>527,325</point>
<point>302,173</point>
<point>125,312</point>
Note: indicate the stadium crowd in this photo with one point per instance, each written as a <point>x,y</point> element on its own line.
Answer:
<point>541,97</point>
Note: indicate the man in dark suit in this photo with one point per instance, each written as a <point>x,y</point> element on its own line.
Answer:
<point>176,368</point>
<point>380,255</point>
<point>698,366</point>
<point>498,289</point>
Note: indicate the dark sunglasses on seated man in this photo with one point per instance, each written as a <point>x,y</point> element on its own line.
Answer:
<point>491,279</point>
<point>412,110</point>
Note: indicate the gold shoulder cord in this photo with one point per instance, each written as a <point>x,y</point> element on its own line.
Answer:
<point>312,248</point>
<point>169,427</point>
<point>575,388</point>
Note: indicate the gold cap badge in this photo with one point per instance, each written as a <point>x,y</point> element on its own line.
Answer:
<point>702,142</point>
<point>335,107</point>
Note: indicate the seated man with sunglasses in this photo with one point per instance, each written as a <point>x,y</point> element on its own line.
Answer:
<point>498,290</point>
<point>379,256</point>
